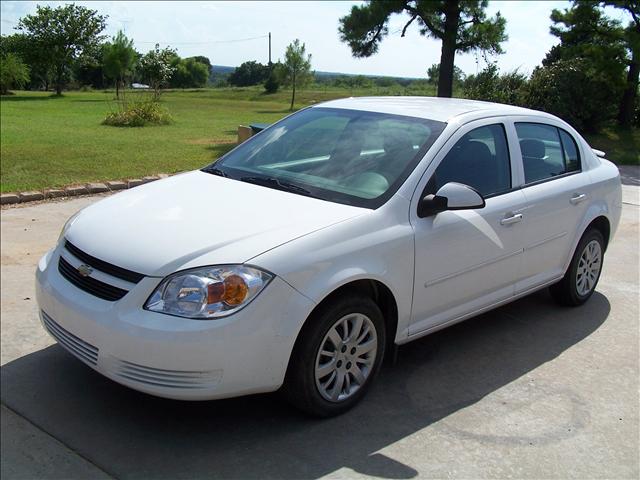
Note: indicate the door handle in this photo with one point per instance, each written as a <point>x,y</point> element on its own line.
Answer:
<point>576,198</point>
<point>512,219</point>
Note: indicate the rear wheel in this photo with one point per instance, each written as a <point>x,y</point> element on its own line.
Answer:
<point>337,356</point>
<point>581,278</point>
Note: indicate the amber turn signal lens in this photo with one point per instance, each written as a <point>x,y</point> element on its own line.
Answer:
<point>235,290</point>
<point>232,291</point>
<point>215,293</point>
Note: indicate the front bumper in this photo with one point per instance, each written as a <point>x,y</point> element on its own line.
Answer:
<point>168,356</point>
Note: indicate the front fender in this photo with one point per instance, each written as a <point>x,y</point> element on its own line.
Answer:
<point>375,246</point>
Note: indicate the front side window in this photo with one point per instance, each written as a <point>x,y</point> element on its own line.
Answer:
<point>547,151</point>
<point>346,156</point>
<point>480,159</point>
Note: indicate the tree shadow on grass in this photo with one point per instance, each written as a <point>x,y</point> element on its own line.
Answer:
<point>220,149</point>
<point>21,98</point>
<point>281,111</point>
<point>87,100</point>
<point>133,435</point>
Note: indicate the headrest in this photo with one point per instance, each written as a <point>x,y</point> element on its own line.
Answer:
<point>474,150</point>
<point>531,147</point>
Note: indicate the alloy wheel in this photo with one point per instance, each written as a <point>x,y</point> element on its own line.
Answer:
<point>346,357</point>
<point>589,267</point>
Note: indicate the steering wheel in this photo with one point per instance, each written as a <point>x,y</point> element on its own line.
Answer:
<point>372,183</point>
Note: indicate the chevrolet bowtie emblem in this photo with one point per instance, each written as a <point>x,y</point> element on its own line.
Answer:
<point>85,270</point>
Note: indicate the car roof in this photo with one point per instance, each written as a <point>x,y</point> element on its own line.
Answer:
<point>432,108</point>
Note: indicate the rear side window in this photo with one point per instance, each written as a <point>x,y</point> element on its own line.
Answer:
<point>479,159</point>
<point>547,151</point>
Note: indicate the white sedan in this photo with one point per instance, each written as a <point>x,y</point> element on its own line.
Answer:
<point>303,256</point>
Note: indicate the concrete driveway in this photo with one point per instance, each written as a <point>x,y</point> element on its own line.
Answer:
<point>530,390</point>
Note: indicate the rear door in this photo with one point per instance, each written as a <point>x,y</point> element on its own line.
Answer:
<point>556,190</point>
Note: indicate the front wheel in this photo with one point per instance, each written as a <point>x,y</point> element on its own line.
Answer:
<point>337,356</point>
<point>581,278</point>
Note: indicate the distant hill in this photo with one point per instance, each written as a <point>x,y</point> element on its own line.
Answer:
<point>321,74</point>
<point>221,71</point>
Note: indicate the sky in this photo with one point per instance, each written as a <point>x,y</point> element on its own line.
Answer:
<point>230,33</point>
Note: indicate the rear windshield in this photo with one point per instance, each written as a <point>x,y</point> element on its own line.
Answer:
<point>345,156</point>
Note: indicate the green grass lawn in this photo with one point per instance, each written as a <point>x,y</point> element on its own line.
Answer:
<point>621,146</point>
<point>48,141</point>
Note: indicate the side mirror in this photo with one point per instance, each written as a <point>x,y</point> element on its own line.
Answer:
<point>451,196</point>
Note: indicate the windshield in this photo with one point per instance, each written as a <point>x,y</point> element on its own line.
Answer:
<point>346,156</point>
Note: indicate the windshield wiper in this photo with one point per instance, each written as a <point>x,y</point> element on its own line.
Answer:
<point>273,182</point>
<point>215,171</point>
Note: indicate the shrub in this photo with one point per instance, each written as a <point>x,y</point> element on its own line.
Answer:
<point>575,92</point>
<point>138,114</point>
<point>490,86</point>
<point>272,84</point>
<point>273,80</point>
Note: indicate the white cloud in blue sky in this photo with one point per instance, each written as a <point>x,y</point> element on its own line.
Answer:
<point>205,28</point>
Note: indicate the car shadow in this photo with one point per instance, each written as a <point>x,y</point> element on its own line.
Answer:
<point>629,174</point>
<point>133,435</point>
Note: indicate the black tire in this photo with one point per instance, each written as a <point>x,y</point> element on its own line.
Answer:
<point>300,387</point>
<point>565,292</point>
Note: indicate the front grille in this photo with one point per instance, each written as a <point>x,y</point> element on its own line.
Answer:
<point>168,378</point>
<point>81,349</point>
<point>88,284</point>
<point>113,270</point>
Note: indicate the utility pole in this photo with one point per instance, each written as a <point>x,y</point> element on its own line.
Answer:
<point>269,49</point>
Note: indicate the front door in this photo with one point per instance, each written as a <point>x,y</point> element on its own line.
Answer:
<point>468,259</point>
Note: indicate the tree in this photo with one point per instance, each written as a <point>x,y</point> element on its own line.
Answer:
<point>203,60</point>
<point>462,25</point>
<point>249,73</point>
<point>13,72</point>
<point>632,40</point>
<point>188,73</point>
<point>296,68</point>
<point>586,33</point>
<point>157,68</point>
<point>23,47</point>
<point>91,73</point>
<point>63,35</point>
<point>433,74</point>
<point>574,90</point>
<point>119,59</point>
<point>198,73</point>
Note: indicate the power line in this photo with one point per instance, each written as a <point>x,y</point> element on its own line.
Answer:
<point>209,42</point>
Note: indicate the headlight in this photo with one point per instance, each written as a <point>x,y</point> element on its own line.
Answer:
<point>208,292</point>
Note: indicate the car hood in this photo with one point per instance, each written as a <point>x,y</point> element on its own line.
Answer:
<point>196,219</point>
